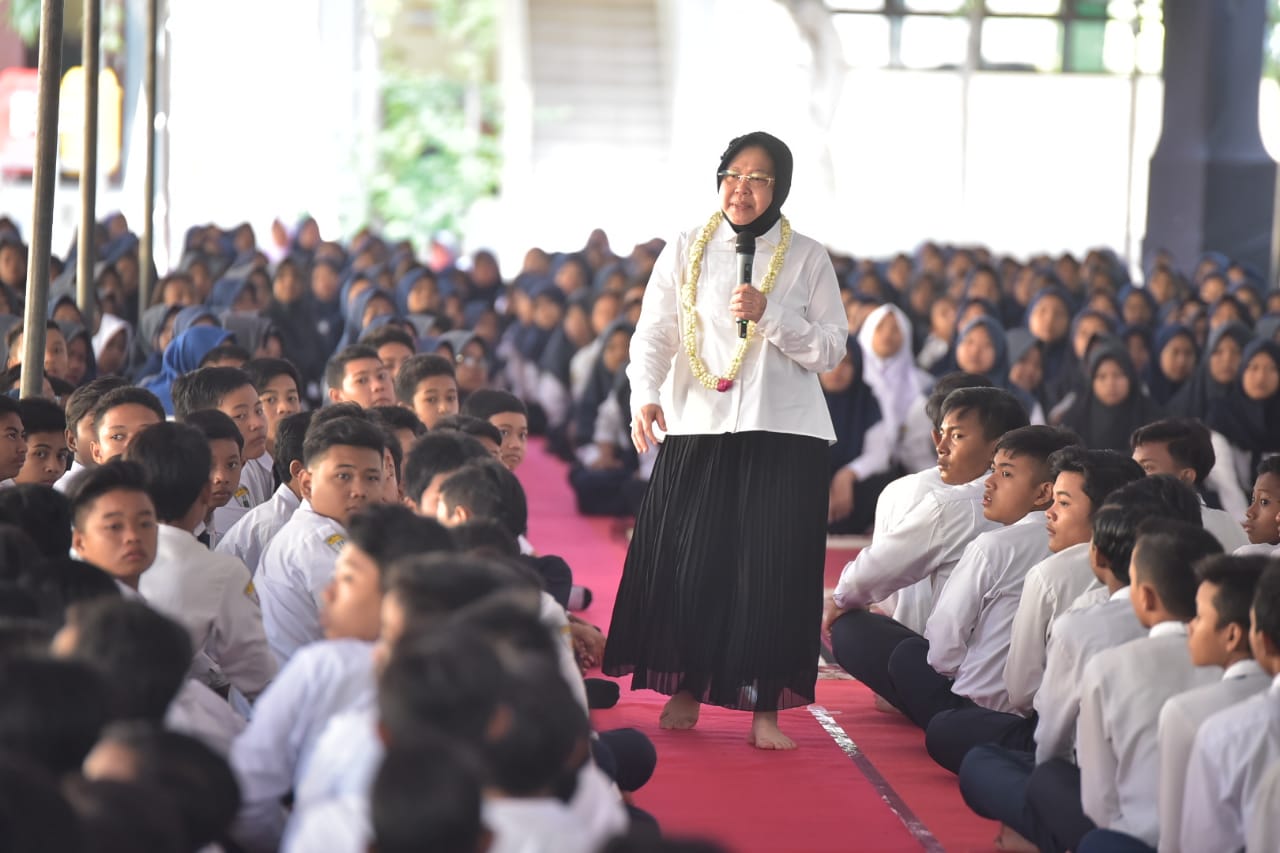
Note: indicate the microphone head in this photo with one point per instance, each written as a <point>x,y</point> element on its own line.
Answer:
<point>746,243</point>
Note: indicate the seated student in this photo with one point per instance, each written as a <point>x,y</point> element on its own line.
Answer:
<point>46,430</point>
<point>403,424</point>
<point>394,347</point>
<point>482,431</point>
<point>1218,638</point>
<point>54,711</point>
<point>248,537</point>
<point>1183,448</point>
<point>226,444</point>
<point>509,415</point>
<point>13,441</point>
<point>55,349</point>
<point>1124,688</point>
<point>328,676</point>
<point>357,375</point>
<point>1261,522</point>
<point>210,594</point>
<point>279,388</point>
<point>145,657</point>
<point>120,415</point>
<point>997,782</point>
<point>232,392</point>
<point>426,384</point>
<point>342,472</point>
<point>1235,746</point>
<point>432,461</point>
<point>926,544</point>
<point>1084,479</point>
<point>41,513</point>
<point>114,521</point>
<point>428,797</point>
<point>959,662</point>
<point>79,416</point>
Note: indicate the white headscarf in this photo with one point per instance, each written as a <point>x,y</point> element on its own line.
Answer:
<point>107,329</point>
<point>894,379</point>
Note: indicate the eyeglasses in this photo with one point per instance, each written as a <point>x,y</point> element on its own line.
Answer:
<point>755,180</point>
<point>470,360</point>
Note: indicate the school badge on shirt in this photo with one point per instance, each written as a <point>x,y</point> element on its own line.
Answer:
<point>336,541</point>
<point>251,593</point>
<point>242,497</point>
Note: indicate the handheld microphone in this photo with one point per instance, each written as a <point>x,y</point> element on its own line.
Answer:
<point>746,257</point>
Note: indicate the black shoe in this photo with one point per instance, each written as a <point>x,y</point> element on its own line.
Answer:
<point>579,598</point>
<point>601,693</point>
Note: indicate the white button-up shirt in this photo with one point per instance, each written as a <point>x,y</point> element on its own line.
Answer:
<point>203,714</point>
<point>1120,700</point>
<point>1047,591</point>
<point>1077,637</point>
<point>295,568</point>
<point>926,543</point>
<point>1180,719</point>
<point>343,765</point>
<point>1232,751</point>
<point>969,630</point>
<point>585,824</point>
<point>1228,531</point>
<point>212,596</point>
<point>801,334</point>
<point>248,537</point>
<point>320,681</point>
<point>65,480</point>
<point>1263,832</point>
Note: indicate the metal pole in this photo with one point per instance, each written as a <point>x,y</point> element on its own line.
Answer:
<point>89,170</point>
<point>43,179</point>
<point>146,253</point>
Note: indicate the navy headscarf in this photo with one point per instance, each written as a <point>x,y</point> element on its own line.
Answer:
<point>1251,425</point>
<point>1199,394</point>
<point>853,411</point>
<point>1159,385</point>
<point>1104,427</point>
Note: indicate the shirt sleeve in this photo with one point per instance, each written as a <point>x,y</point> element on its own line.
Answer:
<point>1099,794</point>
<point>877,448</point>
<point>817,339</point>
<point>1210,814</point>
<point>1057,703</point>
<point>239,642</point>
<point>951,624</point>
<point>896,559</point>
<point>1176,732</point>
<point>1024,667</point>
<point>657,336</point>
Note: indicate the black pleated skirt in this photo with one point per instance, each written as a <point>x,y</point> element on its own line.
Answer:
<point>721,594</point>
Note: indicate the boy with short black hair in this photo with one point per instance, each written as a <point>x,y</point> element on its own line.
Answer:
<point>1124,688</point>
<point>357,375</point>
<point>394,346</point>
<point>279,388</point>
<point>342,473</point>
<point>210,594</point>
<point>249,536</point>
<point>431,461</point>
<point>1183,448</point>
<point>1234,747</point>
<point>426,384</point>
<point>45,423</point>
<point>120,415</point>
<point>226,446</point>
<point>79,416</point>
<point>13,441</point>
<point>114,521</point>
<point>482,431</point>
<point>1218,639</point>
<point>226,354</point>
<point>403,423</point>
<point>509,415</point>
<point>1261,523</point>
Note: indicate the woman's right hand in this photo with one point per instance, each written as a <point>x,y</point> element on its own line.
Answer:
<point>642,427</point>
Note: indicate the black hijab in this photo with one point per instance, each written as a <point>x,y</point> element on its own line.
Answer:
<point>1104,427</point>
<point>783,163</point>
<point>853,411</point>
<point>1251,425</point>
<point>1199,394</point>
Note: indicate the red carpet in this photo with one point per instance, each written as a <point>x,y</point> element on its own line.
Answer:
<point>882,793</point>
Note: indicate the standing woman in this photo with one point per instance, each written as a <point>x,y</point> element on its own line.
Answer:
<point>723,581</point>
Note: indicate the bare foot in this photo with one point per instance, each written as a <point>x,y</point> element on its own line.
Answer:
<point>680,712</point>
<point>765,733</point>
<point>1010,840</point>
<point>885,706</point>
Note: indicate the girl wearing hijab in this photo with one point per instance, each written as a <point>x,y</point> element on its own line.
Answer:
<point>1049,320</point>
<point>111,345</point>
<point>184,355</point>
<point>890,370</point>
<point>1026,365</point>
<point>553,388</point>
<point>1215,374</point>
<point>1246,425</point>
<point>614,352</point>
<point>80,363</point>
<point>722,584</point>
<point>861,462</point>
<point>1114,404</point>
<point>983,348</point>
<point>1173,362</point>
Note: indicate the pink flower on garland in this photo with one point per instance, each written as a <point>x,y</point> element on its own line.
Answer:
<point>723,385</point>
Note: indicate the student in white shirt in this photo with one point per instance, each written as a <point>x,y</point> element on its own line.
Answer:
<point>231,391</point>
<point>210,594</point>
<point>343,471</point>
<point>226,446</point>
<point>119,415</point>
<point>248,537</point>
<point>1217,638</point>
<point>959,662</point>
<point>113,520</point>
<point>1263,831</point>
<point>1124,689</point>
<point>357,375</point>
<point>1234,748</point>
<point>432,460</point>
<point>1183,448</point>
<point>1261,519</point>
<point>326,677</point>
<point>1002,783</point>
<point>45,424</point>
<point>926,544</point>
<point>13,440</point>
<point>80,434</point>
<point>279,390</point>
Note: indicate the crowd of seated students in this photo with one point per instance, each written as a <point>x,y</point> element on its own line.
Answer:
<point>266,567</point>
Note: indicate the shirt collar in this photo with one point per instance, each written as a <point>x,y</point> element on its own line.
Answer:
<point>1122,592</point>
<point>1242,669</point>
<point>1034,517</point>
<point>1170,628</point>
<point>726,234</point>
